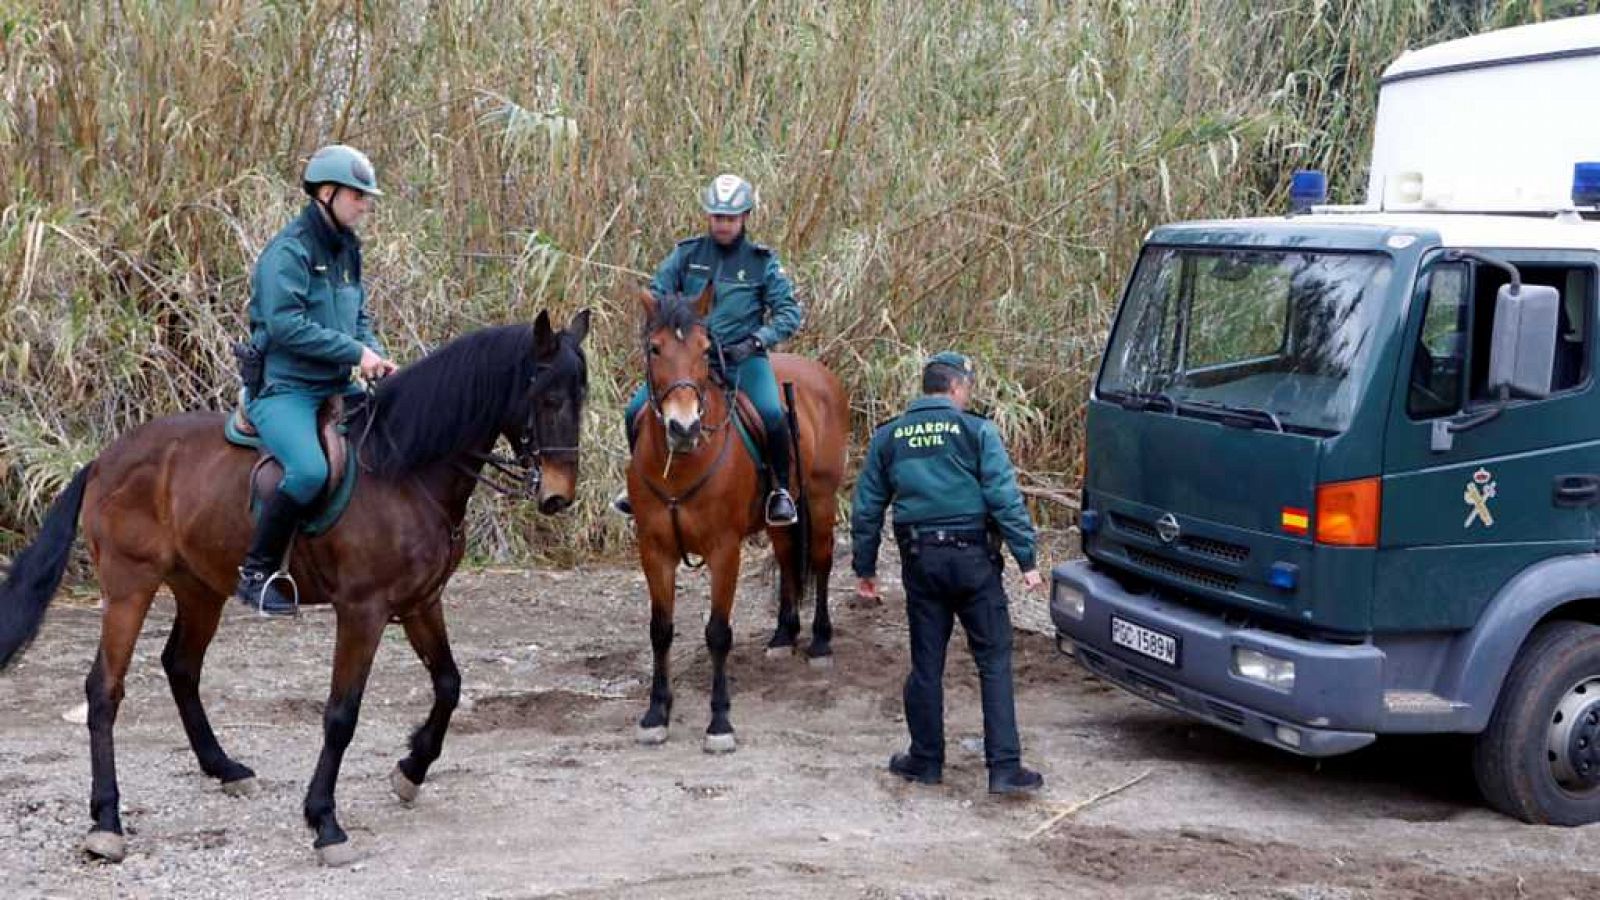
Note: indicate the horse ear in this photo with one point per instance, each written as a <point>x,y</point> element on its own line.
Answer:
<point>702,304</point>
<point>648,304</point>
<point>544,337</point>
<point>579,326</point>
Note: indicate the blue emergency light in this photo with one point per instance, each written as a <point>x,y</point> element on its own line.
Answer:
<point>1284,576</point>
<point>1586,184</point>
<point>1307,188</point>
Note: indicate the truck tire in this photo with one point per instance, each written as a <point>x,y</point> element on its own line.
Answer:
<point>1539,759</point>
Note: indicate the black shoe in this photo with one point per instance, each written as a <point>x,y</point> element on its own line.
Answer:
<point>780,509</point>
<point>260,586</point>
<point>903,765</point>
<point>1015,781</point>
<point>622,504</point>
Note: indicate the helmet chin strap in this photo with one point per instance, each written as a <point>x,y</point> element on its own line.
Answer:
<point>327,208</point>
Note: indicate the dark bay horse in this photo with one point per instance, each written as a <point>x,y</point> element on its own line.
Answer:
<point>696,491</point>
<point>166,504</point>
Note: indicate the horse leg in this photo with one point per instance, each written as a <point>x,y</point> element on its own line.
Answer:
<point>426,631</point>
<point>724,563</point>
<point>785,549</point>
<point>199,610</point>
<point>820,652</point>
<point>127,597</point>
<point>660,571</point>
<point>356,642</point>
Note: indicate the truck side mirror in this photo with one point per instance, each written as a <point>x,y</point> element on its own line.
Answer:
<point>1522,355</point>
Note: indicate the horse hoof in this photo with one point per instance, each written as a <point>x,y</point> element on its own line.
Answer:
<point>336,856</point>
<point>720,743</point>
<point>243,787</point>
<point>403,787</point>
<point>106,845</point>
<point>820,662</point>
<point>780,652</point>
<point>650,737</point>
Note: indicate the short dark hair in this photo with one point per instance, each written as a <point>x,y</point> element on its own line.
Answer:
<point>938,378</point>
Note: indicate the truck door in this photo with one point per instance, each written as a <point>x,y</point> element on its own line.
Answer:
<point>1458,522</point>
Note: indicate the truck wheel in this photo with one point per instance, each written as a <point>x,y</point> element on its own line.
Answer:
<point>1539,759</point>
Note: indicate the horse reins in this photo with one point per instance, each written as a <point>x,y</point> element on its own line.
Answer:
<point>674,501</point>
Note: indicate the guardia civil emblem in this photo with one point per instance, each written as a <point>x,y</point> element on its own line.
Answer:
<point>1480,490</point>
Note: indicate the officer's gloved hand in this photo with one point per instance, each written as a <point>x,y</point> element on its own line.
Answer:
<point>739,351</point>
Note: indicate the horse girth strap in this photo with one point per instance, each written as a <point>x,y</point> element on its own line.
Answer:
<point>674,501</point>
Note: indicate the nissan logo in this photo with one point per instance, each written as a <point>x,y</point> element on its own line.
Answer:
<point>1167,528</point>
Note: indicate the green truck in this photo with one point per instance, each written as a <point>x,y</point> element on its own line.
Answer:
<point>1343,465</point>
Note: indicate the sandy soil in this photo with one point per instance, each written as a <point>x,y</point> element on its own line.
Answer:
<point>542,791</point>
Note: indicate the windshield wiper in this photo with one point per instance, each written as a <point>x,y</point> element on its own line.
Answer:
<point>1253,414</point>
<point>1145,401</point>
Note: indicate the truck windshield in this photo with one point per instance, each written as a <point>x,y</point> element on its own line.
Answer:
<point>1264,338</point>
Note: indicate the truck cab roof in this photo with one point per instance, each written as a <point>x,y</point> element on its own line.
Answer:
<point>1369,230</point>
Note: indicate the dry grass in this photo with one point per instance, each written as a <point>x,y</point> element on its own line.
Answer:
<point>967,174</point>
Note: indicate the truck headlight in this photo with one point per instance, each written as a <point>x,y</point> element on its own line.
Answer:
<point>1262,668</point>
<point>1066,598</point>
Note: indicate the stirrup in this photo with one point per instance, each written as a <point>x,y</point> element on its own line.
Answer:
<point>772,499</point>
<point>260,603</point>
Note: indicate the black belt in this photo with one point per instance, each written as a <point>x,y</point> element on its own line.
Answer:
<point>941,537</point>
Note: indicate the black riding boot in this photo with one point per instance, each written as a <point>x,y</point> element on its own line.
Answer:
<point>780,506</point>
<point>258,589</point>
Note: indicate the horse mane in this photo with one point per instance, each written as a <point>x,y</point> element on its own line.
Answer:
<point>675,312</point>
<point>451,400</point>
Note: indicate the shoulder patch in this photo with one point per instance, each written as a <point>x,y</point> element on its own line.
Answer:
<point>760,249</point>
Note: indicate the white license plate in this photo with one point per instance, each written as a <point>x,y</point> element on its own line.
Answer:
<point>1143,641</point>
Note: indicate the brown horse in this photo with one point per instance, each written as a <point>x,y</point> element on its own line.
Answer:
<point>166,504</point>
<point>696,491</point>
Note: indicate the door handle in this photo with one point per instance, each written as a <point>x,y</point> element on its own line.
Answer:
<point>1577,490</point>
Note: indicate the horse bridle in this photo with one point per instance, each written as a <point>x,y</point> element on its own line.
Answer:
<point>525,471</point>
<point>730,390</point>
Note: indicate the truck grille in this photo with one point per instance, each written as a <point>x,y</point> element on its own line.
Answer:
<point>1183,571</point>
<point>1215,549</point>
<point>1202,546</point>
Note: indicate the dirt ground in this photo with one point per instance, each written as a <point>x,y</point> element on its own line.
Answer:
<point>543,792</point>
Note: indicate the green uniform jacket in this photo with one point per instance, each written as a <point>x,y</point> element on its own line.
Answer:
<point>750,284</point>
<point>939,466</point>
<point>308,308</point>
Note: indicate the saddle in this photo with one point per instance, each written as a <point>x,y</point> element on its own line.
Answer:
<point>267,472</point>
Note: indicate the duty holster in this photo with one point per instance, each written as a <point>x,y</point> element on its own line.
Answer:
<point>252,367</point>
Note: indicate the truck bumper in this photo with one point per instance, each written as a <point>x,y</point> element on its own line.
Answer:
<point>1334,706</point>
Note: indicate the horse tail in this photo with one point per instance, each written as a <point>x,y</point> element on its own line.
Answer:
<point>36,573</point>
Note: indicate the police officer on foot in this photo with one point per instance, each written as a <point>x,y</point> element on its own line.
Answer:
<point>949,479</point>
<point>310,325</point>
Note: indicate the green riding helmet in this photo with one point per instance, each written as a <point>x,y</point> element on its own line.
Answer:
<point>728,195</point>
<point>342,165</point>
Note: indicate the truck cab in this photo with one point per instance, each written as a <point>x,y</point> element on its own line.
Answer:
<point>1343,465</point>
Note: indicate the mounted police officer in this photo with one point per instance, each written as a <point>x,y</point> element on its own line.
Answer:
<point>950,481</point>
<point>753,310</point>
<point>310,325</point>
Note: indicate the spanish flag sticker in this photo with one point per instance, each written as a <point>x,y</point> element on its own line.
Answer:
<point>1296,521</point>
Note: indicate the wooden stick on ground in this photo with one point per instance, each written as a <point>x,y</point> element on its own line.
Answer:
<point>1081,805</point>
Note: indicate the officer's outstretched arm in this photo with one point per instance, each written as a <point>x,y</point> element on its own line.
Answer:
<point>873,493</point>
<point>787,313</point>
<point>284,275</point>
<point>1004,500</point>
